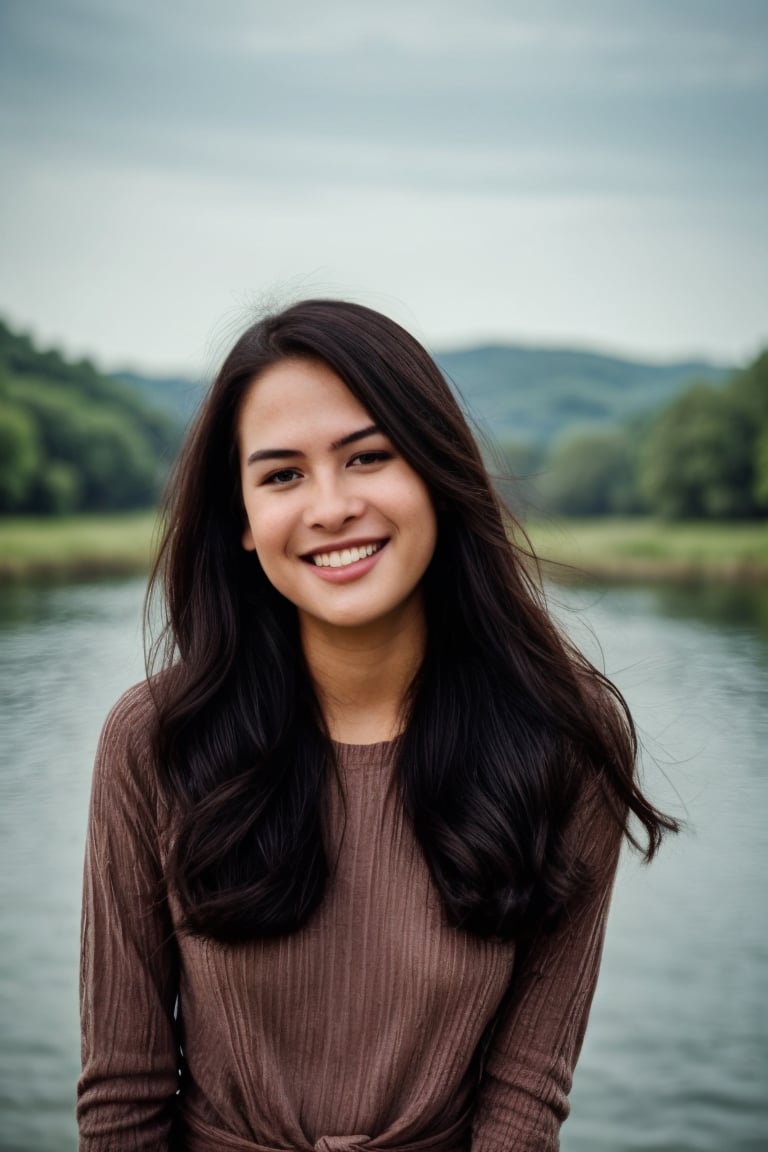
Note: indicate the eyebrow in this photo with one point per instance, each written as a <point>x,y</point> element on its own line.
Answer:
<point>289,453</point>
<point>361,434</point>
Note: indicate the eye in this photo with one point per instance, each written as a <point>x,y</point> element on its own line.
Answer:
<point>281,477</point>
<point>374,457</point>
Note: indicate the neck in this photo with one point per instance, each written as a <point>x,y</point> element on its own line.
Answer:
<point>361,676</point>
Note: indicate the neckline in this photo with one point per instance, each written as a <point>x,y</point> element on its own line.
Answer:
<point>343,744</point>
<point>377,753</point>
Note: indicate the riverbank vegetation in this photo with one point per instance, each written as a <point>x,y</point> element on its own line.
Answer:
<point>643,549</point>
<point>631,549</point>
<point>76,547</point>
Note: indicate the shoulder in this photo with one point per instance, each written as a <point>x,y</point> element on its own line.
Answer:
<point>124,757</point>
<point>133,711</point>
<point>131,720</point>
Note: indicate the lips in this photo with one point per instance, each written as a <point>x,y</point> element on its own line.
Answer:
<point>343,557</point>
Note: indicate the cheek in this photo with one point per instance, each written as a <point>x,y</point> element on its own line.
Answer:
<point>264,532</point>
<point>422,518</point>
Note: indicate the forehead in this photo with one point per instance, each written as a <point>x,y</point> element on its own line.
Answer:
<point>299,397</point>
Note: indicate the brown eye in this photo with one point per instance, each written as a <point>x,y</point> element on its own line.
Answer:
<point>283,476</point>
<point>371,457</point>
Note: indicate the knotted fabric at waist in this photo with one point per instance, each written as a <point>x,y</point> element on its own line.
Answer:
<point>201,1137</point>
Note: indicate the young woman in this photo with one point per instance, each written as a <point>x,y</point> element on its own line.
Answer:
<point>351,849</point>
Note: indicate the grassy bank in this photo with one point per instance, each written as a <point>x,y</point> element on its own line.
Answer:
<point>76,547</point>
<point>629,550</point>
<point>642,549</point>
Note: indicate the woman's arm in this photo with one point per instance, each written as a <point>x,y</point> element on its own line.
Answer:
<point>523,1095</point>
<point>128,982</point>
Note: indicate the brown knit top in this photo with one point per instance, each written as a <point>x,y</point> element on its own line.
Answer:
<point>362,1030</point>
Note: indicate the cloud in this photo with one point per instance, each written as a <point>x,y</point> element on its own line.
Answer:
<point>460,93</point>
<point>491,165</point>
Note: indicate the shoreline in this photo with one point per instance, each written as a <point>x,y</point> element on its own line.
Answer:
<point>749,574</point>
<point>606,550</point>
<point>641,551</point>
<point>76,547</point>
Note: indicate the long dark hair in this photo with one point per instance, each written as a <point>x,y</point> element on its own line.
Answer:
<point>506,723</point>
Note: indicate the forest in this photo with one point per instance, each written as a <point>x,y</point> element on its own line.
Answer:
<point>702,456</point>
<point>613,438</point>
<point>73,439</point>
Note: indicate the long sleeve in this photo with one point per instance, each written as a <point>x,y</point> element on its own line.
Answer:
<point>523,1096</point>
<point>128,981</point>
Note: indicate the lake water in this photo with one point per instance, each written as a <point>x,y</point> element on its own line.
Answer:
<point>676,1057</point>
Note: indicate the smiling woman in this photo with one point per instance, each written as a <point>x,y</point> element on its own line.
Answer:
<point>351,848</point>
<point>347,532</point>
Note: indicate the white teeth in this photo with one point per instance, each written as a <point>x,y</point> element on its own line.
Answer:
<point>345,557</point>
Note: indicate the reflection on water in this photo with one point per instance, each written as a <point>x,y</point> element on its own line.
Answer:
<point>676,1057</point>
<point>725,606</point>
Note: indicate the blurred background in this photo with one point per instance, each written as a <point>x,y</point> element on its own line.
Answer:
<point>567,205</point>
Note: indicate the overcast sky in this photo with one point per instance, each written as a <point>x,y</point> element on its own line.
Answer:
<point>588,172</point>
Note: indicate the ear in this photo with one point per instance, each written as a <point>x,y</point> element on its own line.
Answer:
<point>247,539</point>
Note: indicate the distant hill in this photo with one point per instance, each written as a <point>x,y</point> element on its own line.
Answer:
<point>172,394</point>
<point>535,394</point>
<point>517,393</point>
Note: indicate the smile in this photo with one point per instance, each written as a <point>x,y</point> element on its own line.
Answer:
<point>344,557</point>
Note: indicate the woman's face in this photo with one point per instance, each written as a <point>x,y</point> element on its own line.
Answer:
<point>342,525</point>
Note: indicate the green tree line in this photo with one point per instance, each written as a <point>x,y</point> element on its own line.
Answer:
<point>72,439</point>
<point>702,456</point>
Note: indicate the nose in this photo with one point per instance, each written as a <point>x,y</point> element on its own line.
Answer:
<point>332,503</point>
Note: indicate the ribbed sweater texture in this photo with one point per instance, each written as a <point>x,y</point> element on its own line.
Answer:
<point>362,1030</point>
